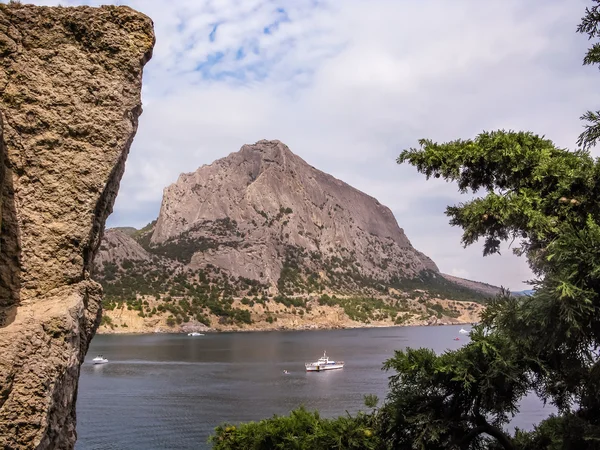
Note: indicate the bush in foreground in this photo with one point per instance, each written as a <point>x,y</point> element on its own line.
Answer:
<point>301,430</point>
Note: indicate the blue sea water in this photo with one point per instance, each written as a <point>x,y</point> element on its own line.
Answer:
<point>169,391</point>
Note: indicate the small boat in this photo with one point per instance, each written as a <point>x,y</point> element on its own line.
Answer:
<point>195,333</point>
<point>285,372</point>
<point>323,363</point>
<point>463,331</point>
<point>456,339</point>
<point>99,360</point>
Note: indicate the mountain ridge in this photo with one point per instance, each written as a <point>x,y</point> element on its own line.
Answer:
<point>263,223</point>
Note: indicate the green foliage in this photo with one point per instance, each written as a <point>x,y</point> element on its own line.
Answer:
<point>301,430</point>
<point>371,400</point>
<point>290,301</point>
<point>144,235</point>
<point>364,309</point>
<point>568,431</point>
<point>183,247</point>
<point>106,320</point>
<point>531,186</point>
<point>547,199</point>
<point>435,402</point>
<point>589,25</point>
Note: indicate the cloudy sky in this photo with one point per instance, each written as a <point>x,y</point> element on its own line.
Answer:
<point>348,84</point>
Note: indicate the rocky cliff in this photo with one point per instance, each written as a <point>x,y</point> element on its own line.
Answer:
<point>261,207</point>
<point>70,82</point>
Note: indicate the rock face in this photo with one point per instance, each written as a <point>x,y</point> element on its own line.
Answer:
<point>70,99</point>
<point>257,207</point>
<point>118,247</point>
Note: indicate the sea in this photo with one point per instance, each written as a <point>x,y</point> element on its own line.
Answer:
<point>169,391</point>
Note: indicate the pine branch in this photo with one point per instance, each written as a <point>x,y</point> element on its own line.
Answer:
<point>591,135</point>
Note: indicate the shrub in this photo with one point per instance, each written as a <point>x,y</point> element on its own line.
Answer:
<point>301,430</point>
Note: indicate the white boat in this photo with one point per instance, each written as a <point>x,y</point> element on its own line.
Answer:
<point>195,333</point>
<point>323,363</point>
<point>99,360</point>
<point>463,331</point>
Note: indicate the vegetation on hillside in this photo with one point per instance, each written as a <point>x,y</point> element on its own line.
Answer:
<point>547,199</point>
<point>183,294</point>
<point>157,285</point>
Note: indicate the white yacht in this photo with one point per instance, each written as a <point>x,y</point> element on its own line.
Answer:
<point>323,363</point>
<point>463,331</point>
<point>195,333</point>
<point>99,360</point>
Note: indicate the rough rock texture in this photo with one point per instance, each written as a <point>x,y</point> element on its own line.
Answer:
<point>116,247</point>
<point>275,200</point>
<point>70,82</point>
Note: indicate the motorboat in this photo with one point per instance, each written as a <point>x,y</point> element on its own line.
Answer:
<point>99,360</point>
<point>463,331</point>
<point>195,333</point>
<point>323,363</point>
<point>285,372</point>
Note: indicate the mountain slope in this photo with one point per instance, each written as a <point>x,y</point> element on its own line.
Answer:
<point>261,223</point>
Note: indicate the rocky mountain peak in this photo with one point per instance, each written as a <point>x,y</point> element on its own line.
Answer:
<point>275,204</point>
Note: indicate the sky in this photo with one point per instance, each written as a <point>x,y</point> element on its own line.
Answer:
<point>349,84</point>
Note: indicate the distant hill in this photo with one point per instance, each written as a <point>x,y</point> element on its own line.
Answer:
<point>485,289</point>
<point>525,292</point>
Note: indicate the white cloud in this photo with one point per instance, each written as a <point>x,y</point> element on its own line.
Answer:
<point>348,85</point>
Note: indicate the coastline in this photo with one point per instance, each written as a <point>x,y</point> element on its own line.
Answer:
<point>185,331</point>
<point>276,317</point>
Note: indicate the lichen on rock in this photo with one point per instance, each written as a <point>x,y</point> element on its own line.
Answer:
<point>70,84</point>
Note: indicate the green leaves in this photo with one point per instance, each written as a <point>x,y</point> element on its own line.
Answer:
<point>590,25</point>
<point>300,430</point>
<point>531,186</point>
<point>589,138</point>
<point>548,199</point>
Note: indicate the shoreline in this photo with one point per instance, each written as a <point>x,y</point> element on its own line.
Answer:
<point>275,317</point>
<point>277,329</point>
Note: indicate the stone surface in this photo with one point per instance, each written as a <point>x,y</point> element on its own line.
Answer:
<point>70,83</point>
<point>277,200</point>
<point>116,247</point>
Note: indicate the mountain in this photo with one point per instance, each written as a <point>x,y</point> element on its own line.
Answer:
<point>262,223</point>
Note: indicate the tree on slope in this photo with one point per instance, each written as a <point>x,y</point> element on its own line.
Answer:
<point>547,199</point>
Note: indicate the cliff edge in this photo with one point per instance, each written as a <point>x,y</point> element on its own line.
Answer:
<point>70,83</point>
